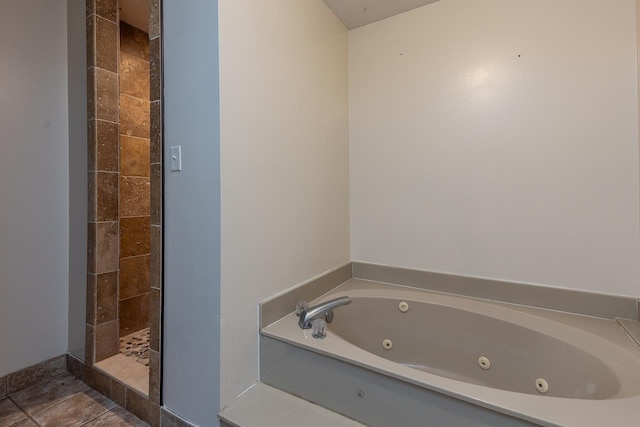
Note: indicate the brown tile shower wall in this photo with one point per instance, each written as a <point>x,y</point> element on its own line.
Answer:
<point>135,184</point>
<point>104,180</point>
<point>155,274</point>
<point>117,223</point>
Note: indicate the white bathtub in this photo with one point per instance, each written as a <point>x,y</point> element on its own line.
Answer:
<point>443,343</point>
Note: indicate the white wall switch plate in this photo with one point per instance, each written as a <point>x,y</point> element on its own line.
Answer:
<point>176,158</point>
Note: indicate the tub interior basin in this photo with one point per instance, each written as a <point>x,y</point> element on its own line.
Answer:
<point>461,344</point>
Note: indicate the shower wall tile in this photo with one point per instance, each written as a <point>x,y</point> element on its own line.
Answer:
<point>134,276</point>
<point>106,8</point>
<point>89,344</point>
<point>134,42</point>
<point>134,196</point>
<point>134,314</point>
<point>156,132</point>
<point>98,381</point>
<point>134,236</point>
<point>91,248</point>
<point>137,404</point>
<point>91,145</point>
<point>156,194</point>
<point>107,297</point>
<point>107,196</point>
<point>91,299</point>
<point>154,68</point>
<point>134,116</point>
<point>91,96</point>
<point>154,414</point>
<point>154,19</point>
<point>106,44</point>
<point>156,258</point>
<point>106,246</point>
<point>107,343</point>
<point>107,135</point>
<point>155,306</point>
<point>134,76</point>
<point>106,100</point>
<point>154,377</point>
<point>92,197</point>
<point>117,393</point>
<point>91,41</point>
<point>135,156</point>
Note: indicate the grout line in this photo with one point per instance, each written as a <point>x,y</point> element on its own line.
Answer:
<point>135,137</point>
<point>133,56</point>
<point>103,413</point>
<point>97,119</point>
<point>134,97</point>
<point>25,412</point>
<point>48,403</point>
<point>101,17</point>
<point>135,296</point>
<point>96,68</point>
<point>135,176</point>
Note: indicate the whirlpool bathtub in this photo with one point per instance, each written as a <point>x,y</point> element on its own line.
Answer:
<point>530,366</point>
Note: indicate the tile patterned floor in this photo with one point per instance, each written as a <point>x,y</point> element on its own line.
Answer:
<point>63,401</point>
<point>136,345</point>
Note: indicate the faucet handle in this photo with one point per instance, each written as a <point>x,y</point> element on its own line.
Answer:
<point>301,307</point>
<point>319,328</point>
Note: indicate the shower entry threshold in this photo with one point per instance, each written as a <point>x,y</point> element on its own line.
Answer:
<point>128,371</point>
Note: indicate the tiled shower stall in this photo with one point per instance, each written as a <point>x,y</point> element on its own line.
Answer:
<point>125,190</point>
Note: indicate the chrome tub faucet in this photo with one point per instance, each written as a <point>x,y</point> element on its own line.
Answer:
<point>307,315</point>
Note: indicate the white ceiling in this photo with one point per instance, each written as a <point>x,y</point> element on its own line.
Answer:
<point>136,13</point>
<point>353,13</point>
<point>356,13</point>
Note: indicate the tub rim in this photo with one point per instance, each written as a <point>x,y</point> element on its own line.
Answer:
<point>534,408</point>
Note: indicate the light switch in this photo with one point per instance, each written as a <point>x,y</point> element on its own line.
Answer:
<point>176,158</point>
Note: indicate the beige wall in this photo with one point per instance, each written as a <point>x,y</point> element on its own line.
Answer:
<point>499,139</point>
<point>284,172</point>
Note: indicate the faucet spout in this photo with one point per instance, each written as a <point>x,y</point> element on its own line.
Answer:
<point>325,309</point>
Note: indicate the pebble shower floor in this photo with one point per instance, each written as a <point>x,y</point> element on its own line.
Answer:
<point>136,345</point>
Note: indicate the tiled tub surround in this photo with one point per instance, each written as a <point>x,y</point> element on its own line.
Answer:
<point>135,181</point>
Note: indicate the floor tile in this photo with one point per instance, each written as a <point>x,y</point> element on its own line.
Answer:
<point>10,414</point>
<point>75,411</point>
<point>42,396</point>
<point>118,417</point>
<point>27,422</point>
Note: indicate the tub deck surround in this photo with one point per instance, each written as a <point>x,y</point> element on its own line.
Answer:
<point>265,406</point>
<point>568,344</point>
<point>552,298</point>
